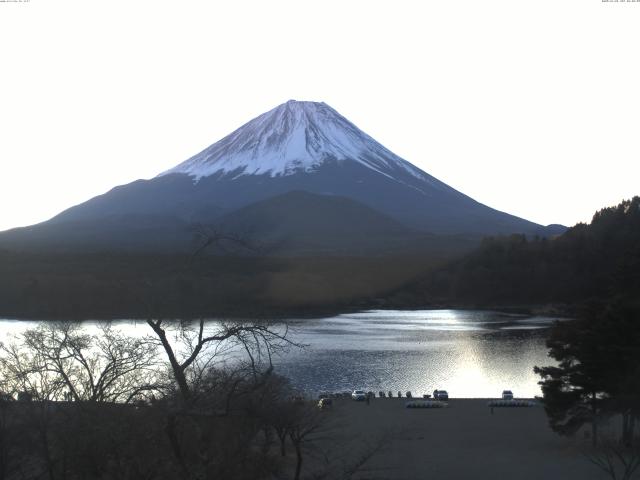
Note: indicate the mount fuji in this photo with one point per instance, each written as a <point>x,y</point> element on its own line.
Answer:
<point>293,138</point>
<point>301,176</point>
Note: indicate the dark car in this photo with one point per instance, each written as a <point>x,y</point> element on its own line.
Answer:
<point>440,395</point>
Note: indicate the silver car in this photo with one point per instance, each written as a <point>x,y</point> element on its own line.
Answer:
<point>359,395</point>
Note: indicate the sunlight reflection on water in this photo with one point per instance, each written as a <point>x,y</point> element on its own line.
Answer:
<point>469,353</point>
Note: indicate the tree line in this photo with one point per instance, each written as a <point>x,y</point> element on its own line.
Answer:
<point>589,262</point>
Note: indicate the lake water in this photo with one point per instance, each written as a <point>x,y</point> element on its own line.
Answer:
<point>468,353</point>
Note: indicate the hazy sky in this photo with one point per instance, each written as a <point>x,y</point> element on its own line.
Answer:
<point>531,107</point>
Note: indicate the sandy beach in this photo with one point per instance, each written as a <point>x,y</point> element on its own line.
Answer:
<point>461,441</point>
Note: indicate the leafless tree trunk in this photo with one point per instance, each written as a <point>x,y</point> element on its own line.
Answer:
<point>255,338</point>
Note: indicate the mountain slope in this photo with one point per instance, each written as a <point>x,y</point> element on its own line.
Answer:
<point>309,146</point>
<point>298,146</point>
<point>338,225</point>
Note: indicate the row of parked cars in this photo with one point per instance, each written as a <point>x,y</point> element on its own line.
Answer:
<point>325,399</point>
<point>361,395</point>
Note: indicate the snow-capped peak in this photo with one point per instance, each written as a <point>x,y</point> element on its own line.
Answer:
<point>293,137</point>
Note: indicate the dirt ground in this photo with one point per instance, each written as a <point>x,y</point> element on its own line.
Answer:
<point>461,441</point>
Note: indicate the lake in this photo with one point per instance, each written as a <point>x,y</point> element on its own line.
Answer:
<point>469,353</point>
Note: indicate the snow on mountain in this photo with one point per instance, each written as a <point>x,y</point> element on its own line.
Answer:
<point>245,181</point>
<point>296,137</point>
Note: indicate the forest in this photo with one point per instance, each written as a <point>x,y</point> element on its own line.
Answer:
<point>589,262</point>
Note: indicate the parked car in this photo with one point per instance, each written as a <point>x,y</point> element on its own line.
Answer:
<point>359,395</point>
<point>507,395</point>
<point>440,395</point>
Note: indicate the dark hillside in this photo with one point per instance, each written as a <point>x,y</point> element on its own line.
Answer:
<point>303,223</point>
<point>588,262</point>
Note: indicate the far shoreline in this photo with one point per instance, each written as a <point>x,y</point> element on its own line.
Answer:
<point>549,310</point>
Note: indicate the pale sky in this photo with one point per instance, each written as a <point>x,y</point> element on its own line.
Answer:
<point>531,107</point>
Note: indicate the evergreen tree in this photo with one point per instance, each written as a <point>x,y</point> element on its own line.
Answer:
<point>597,373</point>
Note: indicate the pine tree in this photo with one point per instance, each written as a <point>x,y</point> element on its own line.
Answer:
<point>597,373</point>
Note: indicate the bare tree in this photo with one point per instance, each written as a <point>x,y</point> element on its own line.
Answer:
<point>195,349</point>
<point>210,361</point>
<point>59,361</point>
<point>25,372</point>
<point>258,340</point>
